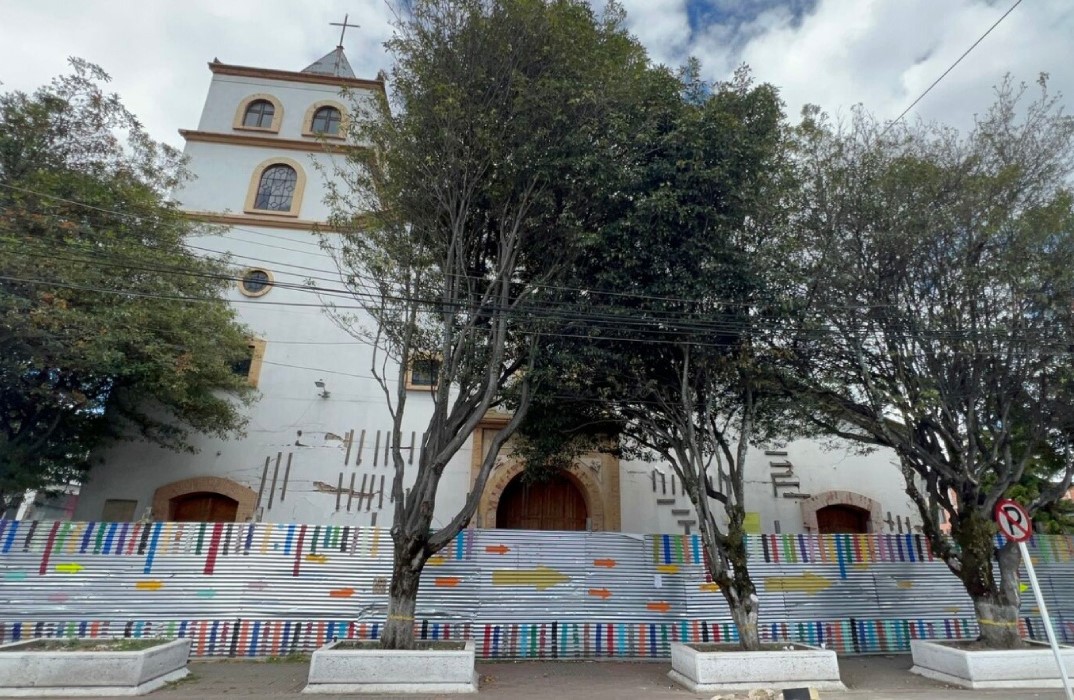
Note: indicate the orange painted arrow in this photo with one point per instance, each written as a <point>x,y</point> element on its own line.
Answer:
<point>447,581</point>
<point>659,606</point>
<point>498,549</point>
<point>602,593</point>
<point>341,593</point>
<point>606,563</point>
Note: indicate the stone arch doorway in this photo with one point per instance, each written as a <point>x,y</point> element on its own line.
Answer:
<point>203,507</point>
<point>581,477</point>
<point>841,518</point>
<point>204,499</point>
<point>852,512</point>
<point>553,504</point>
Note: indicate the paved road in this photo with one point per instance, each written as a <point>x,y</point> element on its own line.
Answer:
<point>868,678</point>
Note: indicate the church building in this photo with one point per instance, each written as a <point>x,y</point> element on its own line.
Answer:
<point>315,449</point>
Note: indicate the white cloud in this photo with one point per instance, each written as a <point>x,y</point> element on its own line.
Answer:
<point>882,53</point>
<point>157,51</point>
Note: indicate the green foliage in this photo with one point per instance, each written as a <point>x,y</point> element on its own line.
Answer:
<point>662,354</point>
<point>84,210</point>
<point>936,308</point>
<point>464,212</point>
<point>687,257</point>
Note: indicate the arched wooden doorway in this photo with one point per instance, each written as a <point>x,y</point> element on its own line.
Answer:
<point>842,518</point>
<point>555,504</point>
<point>203,507</point>
<point>205,499</point>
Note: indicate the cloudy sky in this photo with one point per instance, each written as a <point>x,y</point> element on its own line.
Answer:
<point>836,53</point>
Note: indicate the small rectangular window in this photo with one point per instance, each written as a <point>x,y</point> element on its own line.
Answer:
<point>424,374</point>
<point>250,366</point>
<point>118,510</point>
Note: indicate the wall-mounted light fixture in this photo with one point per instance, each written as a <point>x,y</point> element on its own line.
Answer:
<point>320,385</point>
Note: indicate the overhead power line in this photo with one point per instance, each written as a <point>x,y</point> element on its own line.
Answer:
<point>951,67</point>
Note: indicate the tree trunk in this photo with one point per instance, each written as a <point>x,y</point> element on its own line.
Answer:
<point>738,588</point>
<point>995,605</point>
<point>744,613</point>
<point>998,619</point>
<point>406,575</point>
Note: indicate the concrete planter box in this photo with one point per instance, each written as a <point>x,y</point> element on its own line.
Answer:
<point>25,673</point>
<point>375,670</point>
<point>1015,668</point>
<point>712,671</point>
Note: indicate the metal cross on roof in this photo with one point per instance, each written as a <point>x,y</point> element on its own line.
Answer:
<point>344,29</point>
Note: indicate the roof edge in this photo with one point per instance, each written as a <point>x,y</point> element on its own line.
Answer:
<point>294,76</point>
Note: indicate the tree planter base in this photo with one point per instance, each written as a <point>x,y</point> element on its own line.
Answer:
<point>376,670</point>
<point>1014,668</point>
<point>712,671</point>
<point>89,673</point>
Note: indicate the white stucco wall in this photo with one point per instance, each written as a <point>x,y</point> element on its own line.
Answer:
<point>227,92</point>
<point>304,346</point>
<point>818,469</point>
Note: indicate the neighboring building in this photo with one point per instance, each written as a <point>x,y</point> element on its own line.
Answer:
<point>315,449</point>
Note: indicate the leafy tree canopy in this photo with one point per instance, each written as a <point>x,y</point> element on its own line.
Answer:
<point>672,304</point>
<point>937,305</point>
<point>109,325</point>
<point>461,218</point>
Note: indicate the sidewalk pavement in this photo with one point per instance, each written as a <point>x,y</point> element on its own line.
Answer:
<point>866,677</point>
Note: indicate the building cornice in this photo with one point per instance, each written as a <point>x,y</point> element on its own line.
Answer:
<point>260,220</point>
<point>310,146</point>
<point>294,76</point>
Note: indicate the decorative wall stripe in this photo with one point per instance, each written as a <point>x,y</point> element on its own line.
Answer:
<point>244,589</point>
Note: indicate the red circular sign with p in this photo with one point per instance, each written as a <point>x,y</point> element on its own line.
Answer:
<point>1013,520</point>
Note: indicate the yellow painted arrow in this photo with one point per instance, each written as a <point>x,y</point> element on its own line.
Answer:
<point>668,568</point>
<point>709,587</point>
<point>316,558</point>
<point>542,577</point>
<point>806,583</point>
<point>69,568</point>
<point>436,560</point>
<point>905,584</point>
<point>149,585</point>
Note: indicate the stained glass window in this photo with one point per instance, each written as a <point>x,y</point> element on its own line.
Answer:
<point>276,191</point>
<point>256,282</point>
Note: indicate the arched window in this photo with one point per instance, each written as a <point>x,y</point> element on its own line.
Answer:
<point>259,114</point>
<point>276,189</point>
<point>326,120</point>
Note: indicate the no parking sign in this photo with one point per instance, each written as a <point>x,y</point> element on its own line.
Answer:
<point>1013,520</point>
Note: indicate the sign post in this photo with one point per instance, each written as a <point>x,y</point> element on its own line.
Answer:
<point>1014,522</point>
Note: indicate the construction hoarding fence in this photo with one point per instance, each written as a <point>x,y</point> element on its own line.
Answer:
<point>262,589</point>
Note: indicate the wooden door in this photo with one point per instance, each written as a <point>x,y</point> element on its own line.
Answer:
<point>204,507</point>
<point>556,504</point>
<point>842,519</point>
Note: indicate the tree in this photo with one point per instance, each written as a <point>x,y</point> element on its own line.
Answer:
<point>468,198</point>
<point>666,349</point>
<point>937,313</point>
<point>97,339</point>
